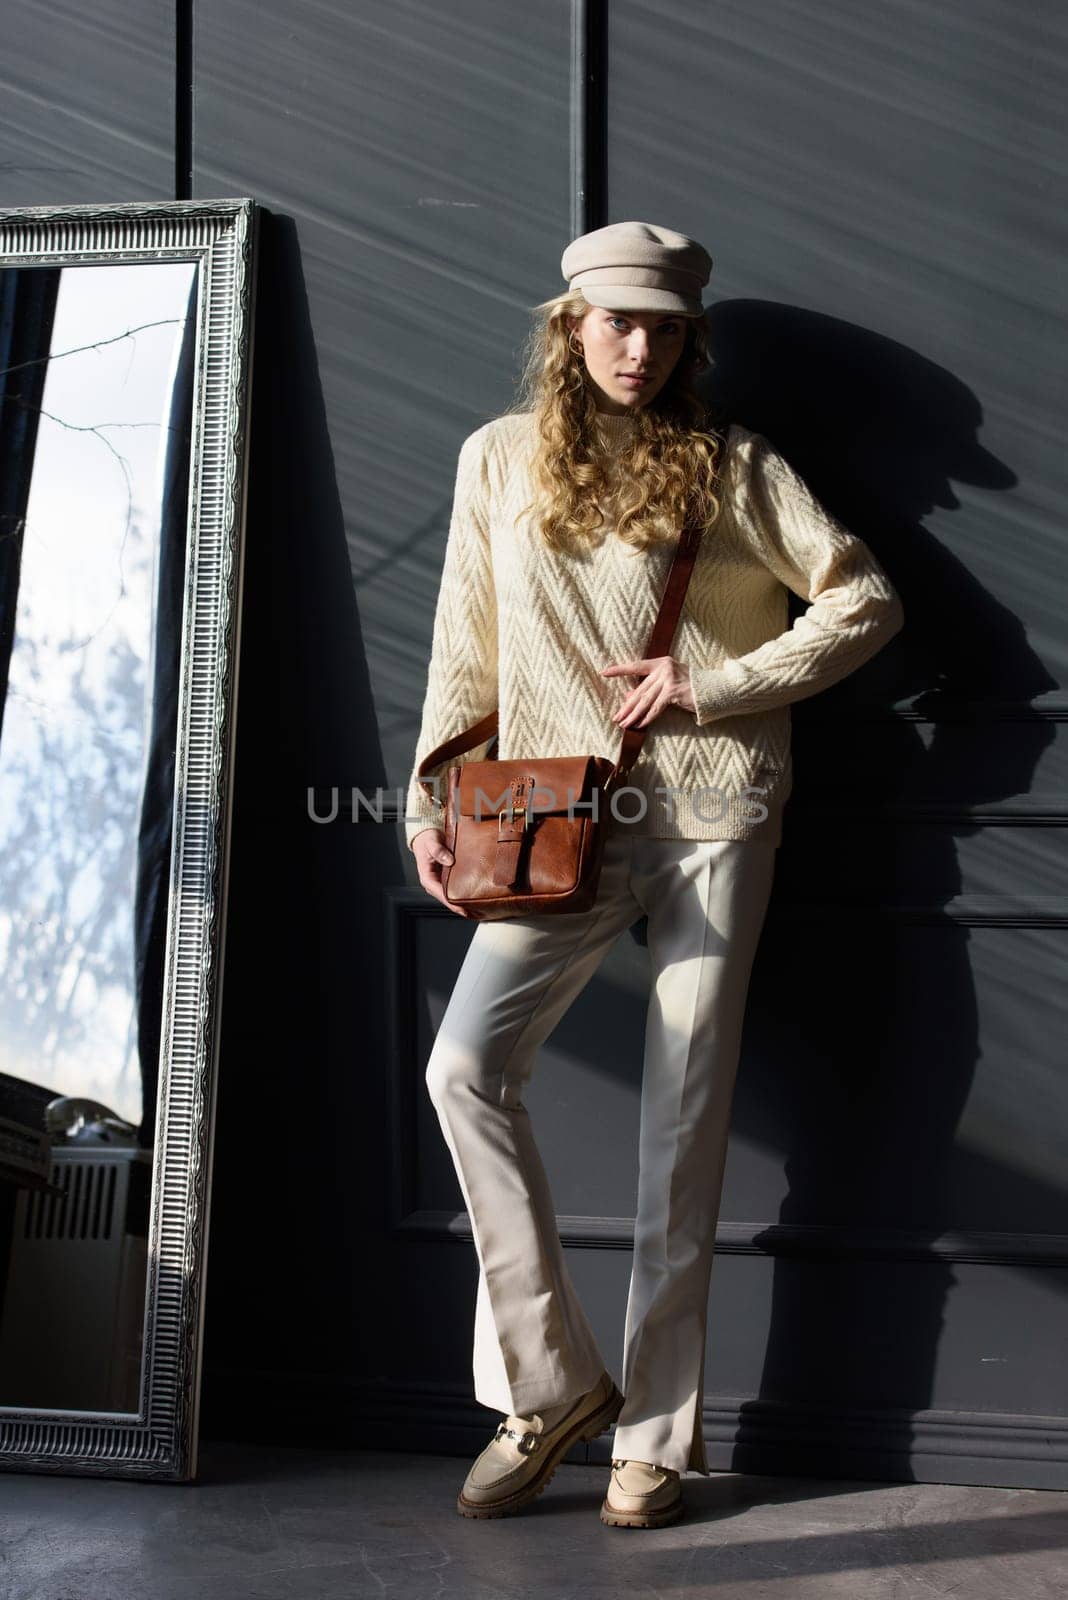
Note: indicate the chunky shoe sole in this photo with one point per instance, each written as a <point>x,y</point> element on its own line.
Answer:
<point>590,1427</point>
<point>642,1519</point>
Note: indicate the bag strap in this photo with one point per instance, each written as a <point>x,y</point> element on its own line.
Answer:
<point>667,620</point>
<point>660,638</point>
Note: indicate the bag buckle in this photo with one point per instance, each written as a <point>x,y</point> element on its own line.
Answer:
<point>512,811</point>
<point>519,786</point>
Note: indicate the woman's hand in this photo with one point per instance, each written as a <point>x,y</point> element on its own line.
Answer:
<point>429,850</point>
<point>665,682</point>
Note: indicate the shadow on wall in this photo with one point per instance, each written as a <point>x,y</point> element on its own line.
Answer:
<point>295,1178</point>
<point>863,1031</point>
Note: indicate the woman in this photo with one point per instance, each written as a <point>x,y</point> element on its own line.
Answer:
<point>565,516</point>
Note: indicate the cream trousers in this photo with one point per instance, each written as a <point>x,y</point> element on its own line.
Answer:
<point>533,1346</point>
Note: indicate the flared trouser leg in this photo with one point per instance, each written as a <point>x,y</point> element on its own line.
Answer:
<point>533,1345</point>
<point>706,903</point>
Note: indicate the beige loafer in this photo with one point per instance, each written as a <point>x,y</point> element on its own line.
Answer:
<point>524,1453</point>
<point>642,1495</point>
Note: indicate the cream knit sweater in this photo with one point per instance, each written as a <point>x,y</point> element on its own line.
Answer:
<point>527,630</point>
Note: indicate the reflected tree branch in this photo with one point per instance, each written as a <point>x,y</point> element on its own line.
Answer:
<point>97,344</point>
<point>94,428</point>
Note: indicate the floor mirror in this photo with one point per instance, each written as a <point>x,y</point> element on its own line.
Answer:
<point>126,338</point>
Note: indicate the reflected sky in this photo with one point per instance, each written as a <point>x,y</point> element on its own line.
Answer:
<point>72,751</point>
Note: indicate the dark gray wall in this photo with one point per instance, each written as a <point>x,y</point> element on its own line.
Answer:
<point>882,189</point>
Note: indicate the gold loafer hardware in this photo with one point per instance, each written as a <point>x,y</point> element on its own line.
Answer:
<point>526,1442</point>
<point>621,1461</point>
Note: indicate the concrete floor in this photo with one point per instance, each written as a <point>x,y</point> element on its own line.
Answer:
<point>262,1523</point>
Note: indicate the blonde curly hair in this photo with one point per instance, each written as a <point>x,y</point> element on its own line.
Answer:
<point>670,468</point>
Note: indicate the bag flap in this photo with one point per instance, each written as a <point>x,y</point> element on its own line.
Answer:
<point>486,787</point>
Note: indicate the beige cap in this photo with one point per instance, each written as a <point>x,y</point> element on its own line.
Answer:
<point>636,266</point>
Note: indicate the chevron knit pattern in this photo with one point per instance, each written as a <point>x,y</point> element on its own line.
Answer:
<point>527,630</point>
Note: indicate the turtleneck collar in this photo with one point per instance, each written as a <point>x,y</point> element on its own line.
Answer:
<point>613,431</point>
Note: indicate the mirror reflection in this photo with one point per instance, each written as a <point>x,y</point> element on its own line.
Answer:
<point>96,400</point>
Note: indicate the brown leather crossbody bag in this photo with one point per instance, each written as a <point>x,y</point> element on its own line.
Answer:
<point>527,836</point>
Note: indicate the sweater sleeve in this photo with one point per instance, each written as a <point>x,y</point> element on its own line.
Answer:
<point>461,685</point>
<point>854,609</point>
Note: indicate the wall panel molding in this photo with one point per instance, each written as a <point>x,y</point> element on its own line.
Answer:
<point>967,911</point>
<point>800,1240</point>
<point>1017,1450</point>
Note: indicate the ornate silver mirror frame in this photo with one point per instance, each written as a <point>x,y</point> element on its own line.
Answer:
<point>154,1435</point>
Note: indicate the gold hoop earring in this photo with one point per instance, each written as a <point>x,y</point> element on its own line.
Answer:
<point>576,350</point>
